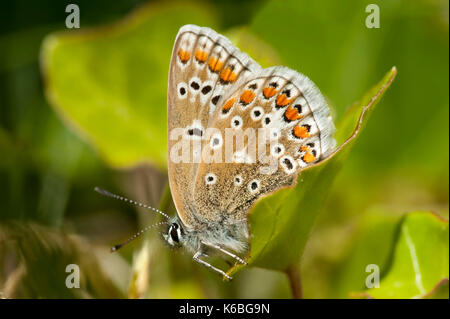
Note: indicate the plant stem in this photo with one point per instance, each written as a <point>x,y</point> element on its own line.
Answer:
<point>293,274</point>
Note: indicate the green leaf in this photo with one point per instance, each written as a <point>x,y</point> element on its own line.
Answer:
<point>113,92</point>
<point>110,83</point>
<point>254,46</point>
<point>419,266</point>
<point>281,222</point>
<point>371,243</point>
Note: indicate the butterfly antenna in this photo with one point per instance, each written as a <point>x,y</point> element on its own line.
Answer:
<point>106,193</point>
<point>139,233</point>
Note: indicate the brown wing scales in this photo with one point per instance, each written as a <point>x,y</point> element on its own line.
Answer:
<point>292,114</point>
<point>204,65</point>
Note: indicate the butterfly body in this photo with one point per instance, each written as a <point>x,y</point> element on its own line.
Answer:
<point>236,132</point>
<point>232,236</point>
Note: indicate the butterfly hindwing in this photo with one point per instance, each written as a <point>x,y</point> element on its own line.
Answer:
<point>289,108</point>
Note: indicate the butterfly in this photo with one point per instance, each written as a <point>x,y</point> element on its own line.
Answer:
<point>214,91</point>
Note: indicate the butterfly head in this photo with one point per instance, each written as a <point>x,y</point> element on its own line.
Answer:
<point>174,235</point>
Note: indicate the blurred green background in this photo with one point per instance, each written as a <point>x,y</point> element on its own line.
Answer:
<point>58,139</point>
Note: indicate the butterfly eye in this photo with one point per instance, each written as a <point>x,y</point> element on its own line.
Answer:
<point>174,233</point>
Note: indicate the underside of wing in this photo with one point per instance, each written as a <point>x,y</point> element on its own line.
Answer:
<point>284,107</point>
<point>203,68</point>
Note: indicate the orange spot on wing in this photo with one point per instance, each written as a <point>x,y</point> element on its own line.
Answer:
<point>301,131</point>
<point>201,56</point>
<point>292,114</point>
<point>304,148</point>
<point>247,96</point>
<point>269,92</point>
<point>308,157</point>
<point>184,55</point>
<point>229,104</point>
<point>214,64</point>
<point>282,100</point>
<point>228,75</point>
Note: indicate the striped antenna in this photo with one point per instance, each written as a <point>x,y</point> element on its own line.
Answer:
<point>139,233</point>
<point>106,193</point>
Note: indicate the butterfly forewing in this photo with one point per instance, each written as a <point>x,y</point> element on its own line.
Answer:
<point>204,67</point>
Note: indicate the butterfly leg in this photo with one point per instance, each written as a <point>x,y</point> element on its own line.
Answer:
<point>197,256</point>
<point>226,252</point>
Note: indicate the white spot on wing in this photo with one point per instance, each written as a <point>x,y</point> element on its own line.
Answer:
<point>236,122</point>
<point>180,87</point>
<point>257,113</point>
<point>205,97</point>
<point>210,179</point>
<point>187,42</point>
<point>277,150</point>
<point>253,186</point>
<point>216,141</point>
<point>266,120</point>
<point>194,127</point>
<point>288,164</point>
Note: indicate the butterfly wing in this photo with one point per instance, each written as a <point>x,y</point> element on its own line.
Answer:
<point>203,68</point>
<point>295,119</point>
